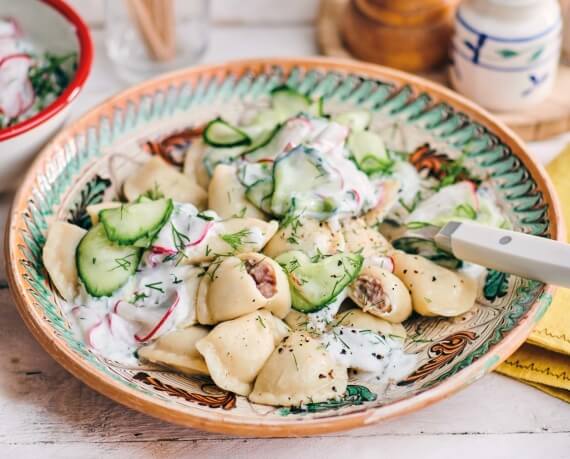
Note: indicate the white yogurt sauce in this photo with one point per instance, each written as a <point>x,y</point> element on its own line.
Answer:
<point>379,359</point>
<point>152,303</point>
<point>318,321</point>
<point>186,229</point>
<point>356,193</point>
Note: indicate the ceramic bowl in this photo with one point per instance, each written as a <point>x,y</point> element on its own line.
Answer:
<point>83,166</point>
<point>55,27</point>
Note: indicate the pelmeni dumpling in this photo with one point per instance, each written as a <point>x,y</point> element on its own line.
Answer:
<point>297,320</point>
<point>361,237</point>
<point>59,257</point>
<point>360,320</point>
<point>300,370</point>
<point>194,163</point>
<point>382,294</point>
<point>158,175</point>
<point>233,235</point>
<point>226,195</point>
<point>192,281</point>
<point>305,234</point>
<point>94,209</point>
<point>436,291</point>
<point>388,198</point>
<point>241,284</point>
<point>236,350</point>
<point>217,238</point>
<point>177,350</point>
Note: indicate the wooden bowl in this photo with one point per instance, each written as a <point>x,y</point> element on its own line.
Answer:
<point>414,40</point>
<point>78,169</point>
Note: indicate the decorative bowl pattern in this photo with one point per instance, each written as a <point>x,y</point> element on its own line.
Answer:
<point>83,164</point>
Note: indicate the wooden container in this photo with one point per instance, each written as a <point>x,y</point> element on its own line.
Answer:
<point>411,35</point>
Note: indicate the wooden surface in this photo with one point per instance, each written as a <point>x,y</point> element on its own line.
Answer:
<point>45,412</point>
<point>548,119</point>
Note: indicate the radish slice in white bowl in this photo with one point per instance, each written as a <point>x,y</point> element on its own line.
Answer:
<point>17,95</point>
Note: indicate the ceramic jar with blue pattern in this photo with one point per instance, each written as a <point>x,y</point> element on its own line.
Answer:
<point>505,53</point>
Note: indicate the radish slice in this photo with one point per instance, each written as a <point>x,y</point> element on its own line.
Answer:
<point>145,316</point>
<point>9,28</point>
<point>160,250</point>
<point>98,335</point>
<point>475,195</point>
<point>357,197</point>
<point>120,329</point>
<point>202,235</point>
<point>17,95</point>
<point>8,47</point>
<point>333,136</point>
<point>161,322</point>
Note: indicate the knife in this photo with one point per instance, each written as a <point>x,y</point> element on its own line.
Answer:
<point>532,257</point>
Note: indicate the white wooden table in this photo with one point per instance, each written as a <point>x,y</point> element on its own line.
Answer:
<point>47,413</point>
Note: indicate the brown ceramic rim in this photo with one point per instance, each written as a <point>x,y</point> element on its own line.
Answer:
<point>217,421</point>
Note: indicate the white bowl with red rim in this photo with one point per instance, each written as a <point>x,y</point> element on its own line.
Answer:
<point>55,27</point>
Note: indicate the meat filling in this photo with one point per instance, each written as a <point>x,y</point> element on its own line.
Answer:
<point>263,275</point>
<point>371,292</point>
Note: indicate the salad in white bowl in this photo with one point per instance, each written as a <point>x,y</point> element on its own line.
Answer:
<point>45,58</point>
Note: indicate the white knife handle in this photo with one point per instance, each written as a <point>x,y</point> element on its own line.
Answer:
<point>528,256</point>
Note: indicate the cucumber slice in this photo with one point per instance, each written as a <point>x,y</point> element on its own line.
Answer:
<point>131,223</point>
<point>103,266</point>
<point>427,249</point>
<point>288,101</point>
<point>317,107</point>
<point>219,133</point>
<point>249,173</point>
<point>292,260</point>
<point>369,152</point>
<point>358,120</point>
<point>300,174</point>
<point>267,118</point>
<point>259,194</point>
<point>261,136</point>
<point>317,206</point>
<point>215,156</point>
<point>270,150</point>
<point>315,285</point>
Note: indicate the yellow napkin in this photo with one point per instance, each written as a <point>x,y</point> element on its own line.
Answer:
<point>539,366</point>
<point>544,362</point>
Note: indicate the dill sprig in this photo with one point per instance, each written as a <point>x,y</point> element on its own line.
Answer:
<point>154,193</point>
<point>124,262</point>
<point>138,296</point>
<point>236,240</point>
<point>155,286</point>
<point>261,322</point>
<point>412,206</point>
<point>180,240</point>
